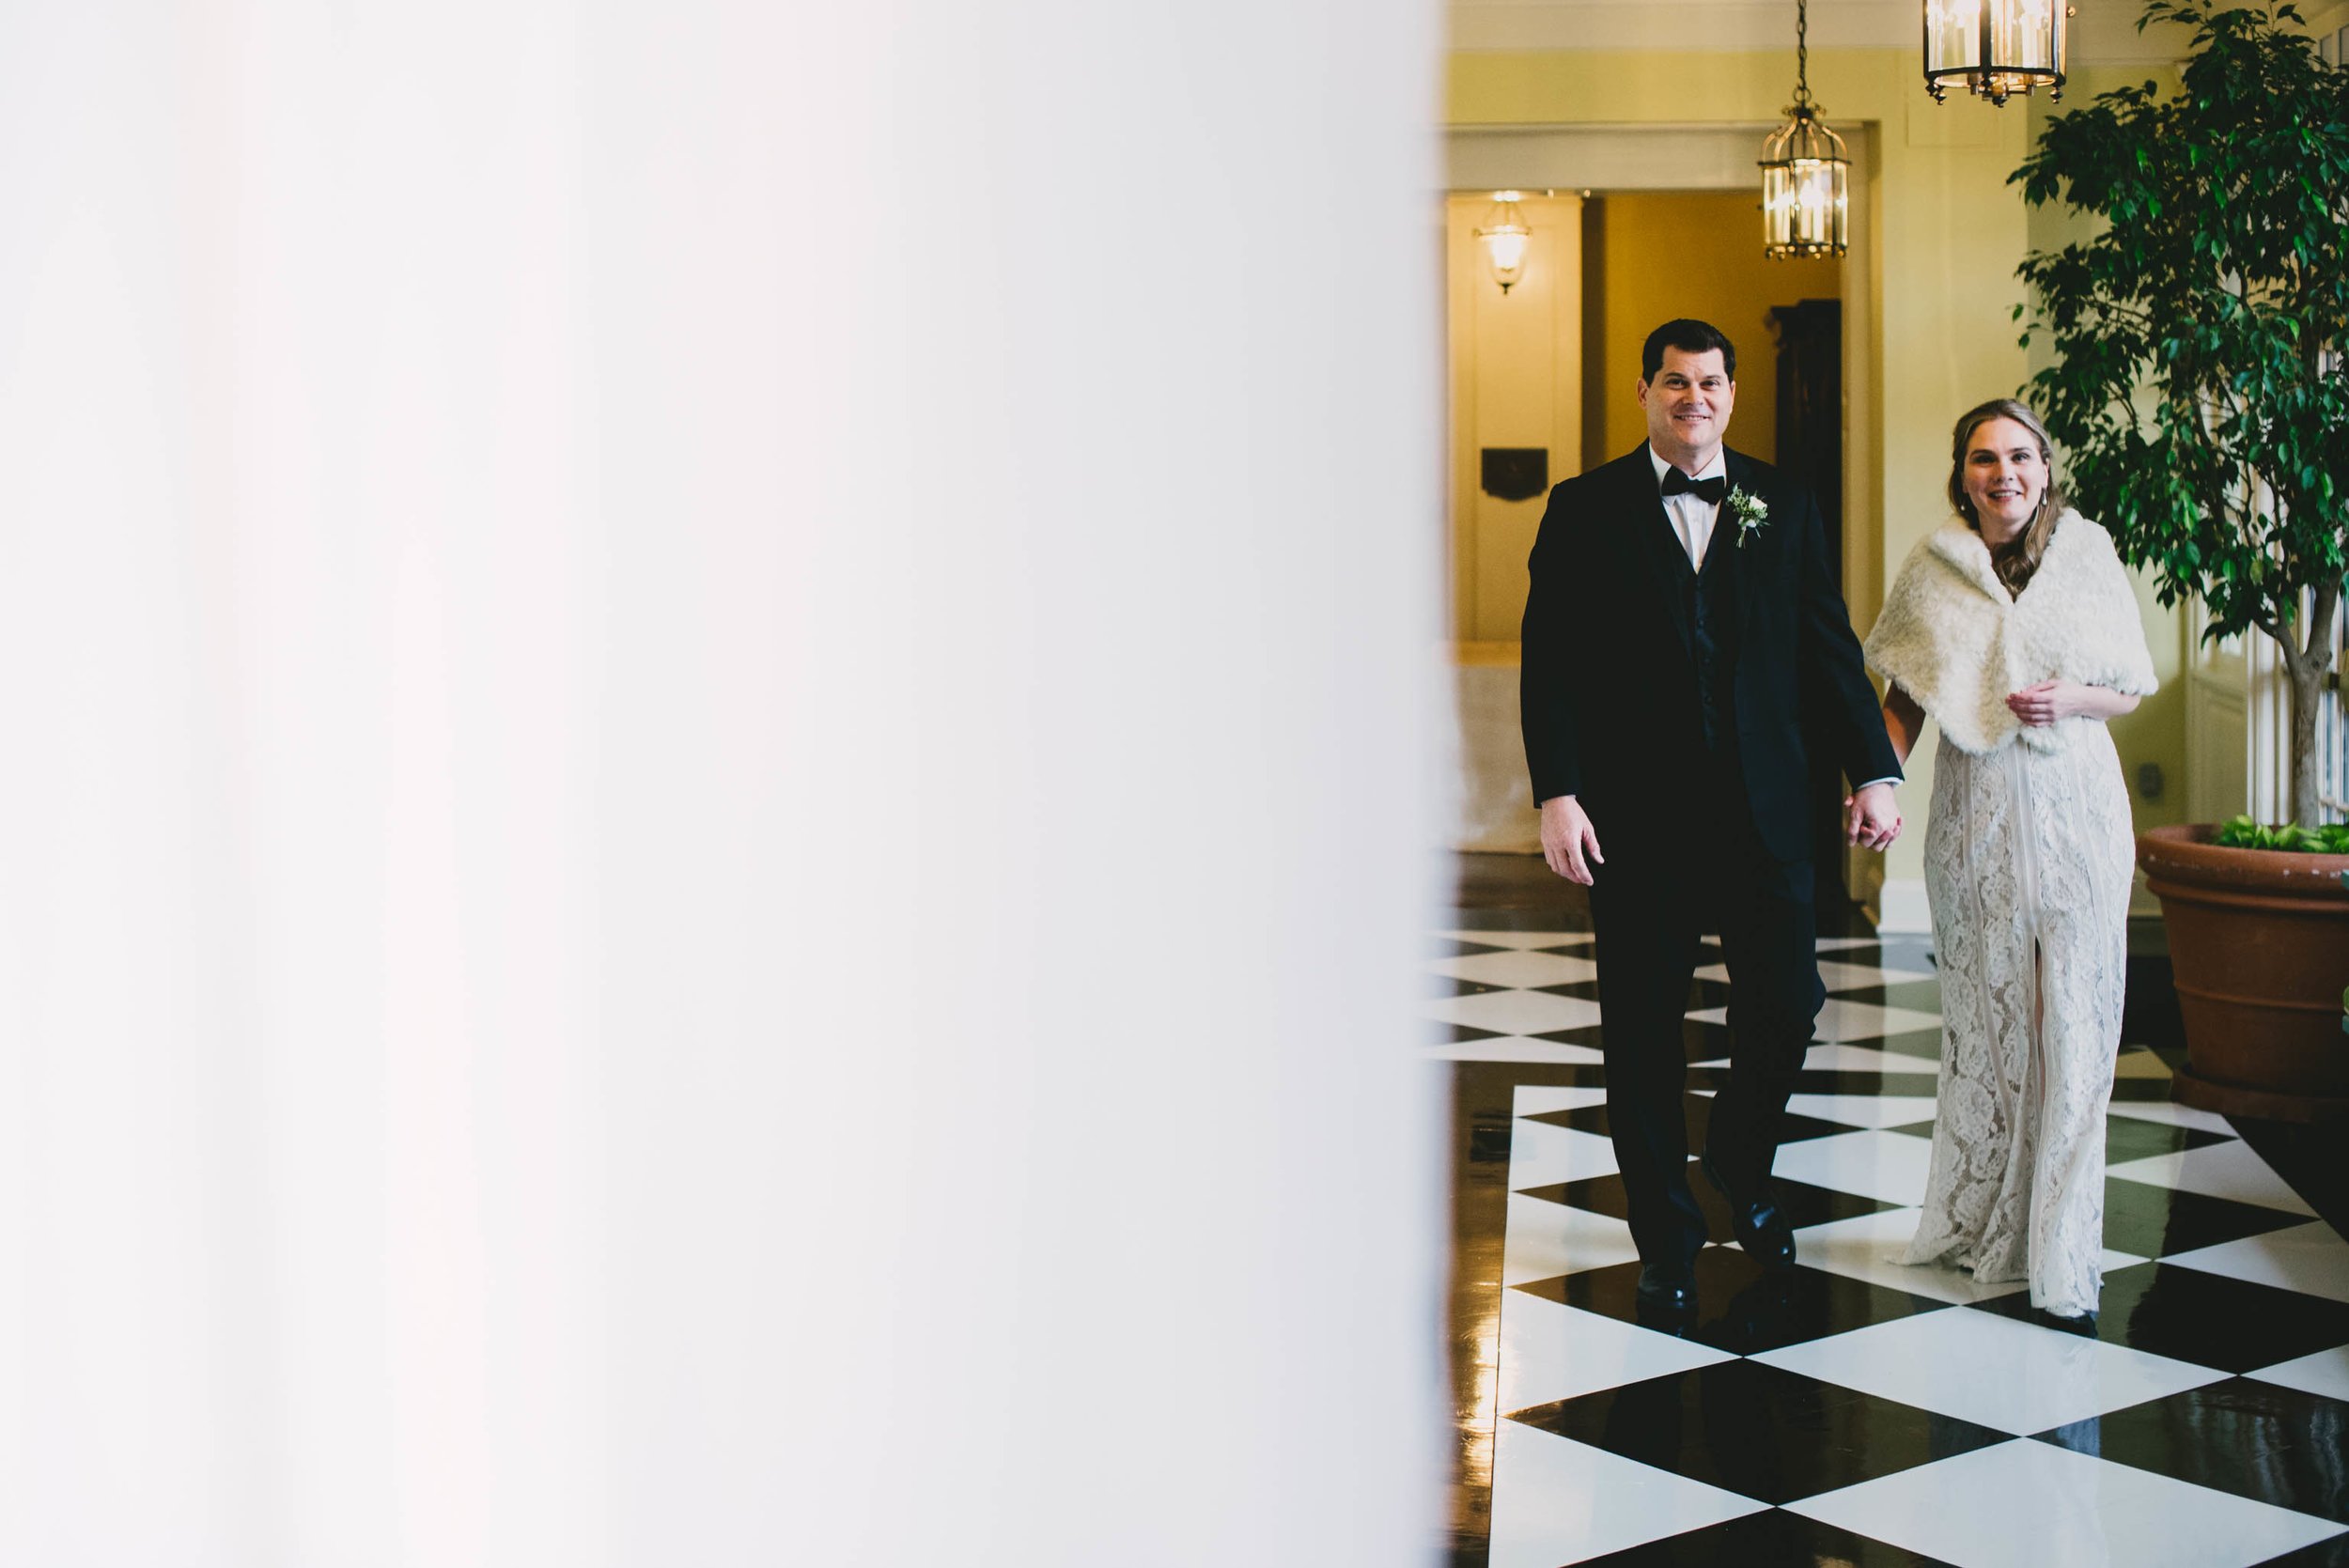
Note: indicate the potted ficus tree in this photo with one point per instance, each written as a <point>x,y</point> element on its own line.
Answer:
<point>2198,391</point>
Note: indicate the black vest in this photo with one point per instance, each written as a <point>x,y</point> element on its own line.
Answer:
<point>1709,599</point>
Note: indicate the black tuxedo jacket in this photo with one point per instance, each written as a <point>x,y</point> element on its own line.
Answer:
<point>1609,692</point>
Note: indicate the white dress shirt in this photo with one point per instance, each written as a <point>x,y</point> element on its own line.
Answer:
<point>1692,516</point>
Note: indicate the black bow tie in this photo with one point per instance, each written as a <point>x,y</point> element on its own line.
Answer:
<point>1707,491</point>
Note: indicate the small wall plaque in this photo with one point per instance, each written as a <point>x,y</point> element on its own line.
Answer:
<point>1515,473</point>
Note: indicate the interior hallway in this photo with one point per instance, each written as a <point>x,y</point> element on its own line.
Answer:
<point>1865,1413</point>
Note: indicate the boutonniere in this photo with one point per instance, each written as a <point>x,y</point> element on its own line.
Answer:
<point>1749,510</point>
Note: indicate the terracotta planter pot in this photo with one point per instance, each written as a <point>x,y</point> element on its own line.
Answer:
<point>2258,941</point>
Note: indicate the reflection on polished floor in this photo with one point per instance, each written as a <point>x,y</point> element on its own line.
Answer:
<point>1861,1412</point>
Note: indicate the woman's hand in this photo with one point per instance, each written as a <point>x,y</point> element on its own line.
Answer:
<point>2051,700</point>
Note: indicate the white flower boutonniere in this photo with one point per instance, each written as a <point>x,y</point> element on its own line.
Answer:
<point>1749,510</point>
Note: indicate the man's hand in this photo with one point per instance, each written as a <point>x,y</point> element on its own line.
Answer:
<point>1567,841</point>
<point>1871,819</point>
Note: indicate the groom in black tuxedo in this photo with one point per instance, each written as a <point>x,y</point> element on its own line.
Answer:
<point>1686,650</point>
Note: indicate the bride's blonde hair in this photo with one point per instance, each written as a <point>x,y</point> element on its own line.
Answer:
<point>2018,558</point>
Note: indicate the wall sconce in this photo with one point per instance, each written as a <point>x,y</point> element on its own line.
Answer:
<point>1505,238</point>
<point>1995,48</point>
<point>1806,180</point>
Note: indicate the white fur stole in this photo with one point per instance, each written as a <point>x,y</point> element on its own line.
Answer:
<point>1951,638</point>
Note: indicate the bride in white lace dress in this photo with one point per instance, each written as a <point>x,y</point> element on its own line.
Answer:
<point>2015,626</point>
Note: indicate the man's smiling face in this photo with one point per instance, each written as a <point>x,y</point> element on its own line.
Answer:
<point>1687,407</point>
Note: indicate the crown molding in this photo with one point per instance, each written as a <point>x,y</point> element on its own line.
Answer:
<point>2103,32</point>
<point>1602,157</point>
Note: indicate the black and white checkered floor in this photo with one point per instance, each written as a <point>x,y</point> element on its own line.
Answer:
<point>1862,1412</point>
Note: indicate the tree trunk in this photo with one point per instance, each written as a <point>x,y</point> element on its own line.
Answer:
<point>2306,667</point>
<point>2307,808</point>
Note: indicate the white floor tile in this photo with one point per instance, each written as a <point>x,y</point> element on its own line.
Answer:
<point>1521,939</point>
<point>2033,1505</point>
<point>1546,1240</point>
<point>1540,1154</point>
<point>1864,1110</point>
<point>1515,1047</point>
<point>2325,1372</point>
<point>1517,969</point>
<point>2307,1258</point>
<point>1994,1371</point>
<point>1853,1059</point>
<point>1549,1352</point>
<point>1869,1247</point>
<point>2175,1114</point>
<point>1889,1166</point>
<point>1841,944</point>
<point>1514,1012</point>
<point>1556,1500</point>
<point>1535,1099</point>
<point>2141,1062</point>
<point>2219,1170</point>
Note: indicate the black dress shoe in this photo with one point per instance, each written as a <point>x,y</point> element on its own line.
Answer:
<point>1667,1292</point>
<point>2083,1324</point>
<point>1760,1229</point>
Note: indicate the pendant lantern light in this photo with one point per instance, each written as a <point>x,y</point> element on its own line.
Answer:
<point>1505,238</point>
<point>1995,48</point>
<point>1806,179</point>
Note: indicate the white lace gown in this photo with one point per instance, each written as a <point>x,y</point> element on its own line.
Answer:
<point>2028,864</point>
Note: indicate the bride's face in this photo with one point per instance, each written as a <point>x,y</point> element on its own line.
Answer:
<point>2005,478</point>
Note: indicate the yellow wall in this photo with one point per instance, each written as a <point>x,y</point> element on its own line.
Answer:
<point>1516,380</point>
<point>1696,252</point>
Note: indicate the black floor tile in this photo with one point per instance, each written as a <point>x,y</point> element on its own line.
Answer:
<point>1440,985</point>
<point>1924,1044</point>
<point>1801,1203</point>
<point>2273,1445</point>
<point>1587,990</point>
<point>2308,1157</point>
<point>1759,1431</point>
<point>1740,1308</point>
<point>1448,947</point>
<point>2324,1554</point>
<point>1771,1538</point>
<point>1923,996</point>
<point>2157,1221</point>
<point>2135,1138</point>
<point>1456,1032</point>
<point>1820,1080</point>
<point>1698,1109</point>
<point>2208,1319</point>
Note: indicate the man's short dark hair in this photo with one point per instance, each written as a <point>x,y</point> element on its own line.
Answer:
<point>1689,338</point>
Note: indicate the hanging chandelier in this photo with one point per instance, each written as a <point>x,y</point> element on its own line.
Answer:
<point>1505,238</point>
<point>1995,48</point>
<point>1806,180</point>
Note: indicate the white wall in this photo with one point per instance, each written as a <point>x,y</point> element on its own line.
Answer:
<point>717,810</point>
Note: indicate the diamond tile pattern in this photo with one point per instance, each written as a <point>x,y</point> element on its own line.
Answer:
<point>1859,1410</point>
